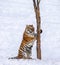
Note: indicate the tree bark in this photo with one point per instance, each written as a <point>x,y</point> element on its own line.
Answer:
<point>38,21</point>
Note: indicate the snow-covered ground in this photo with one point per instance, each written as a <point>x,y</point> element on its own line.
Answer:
<point>14,16</point>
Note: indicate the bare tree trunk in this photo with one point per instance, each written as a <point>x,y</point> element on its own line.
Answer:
<point>38,21</point>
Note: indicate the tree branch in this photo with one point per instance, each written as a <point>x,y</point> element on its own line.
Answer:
<point>38,21</point>
<point>35,6</point>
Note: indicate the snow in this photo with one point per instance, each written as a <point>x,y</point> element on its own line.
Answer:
<point>14,16</point>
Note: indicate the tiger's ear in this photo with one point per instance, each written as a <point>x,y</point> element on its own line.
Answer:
<point>32,25</point>
<point>26,25</point>
<point>29,25</point>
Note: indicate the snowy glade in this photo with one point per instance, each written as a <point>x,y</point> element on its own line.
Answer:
<point>14,16</point>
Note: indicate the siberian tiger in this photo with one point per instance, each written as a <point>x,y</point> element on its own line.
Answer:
<point>25,48</point>
<point>27,42</point>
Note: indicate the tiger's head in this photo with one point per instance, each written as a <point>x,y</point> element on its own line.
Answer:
<point>29,29</point>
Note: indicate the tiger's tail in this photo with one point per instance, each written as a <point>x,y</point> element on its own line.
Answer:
<point>14,57</point>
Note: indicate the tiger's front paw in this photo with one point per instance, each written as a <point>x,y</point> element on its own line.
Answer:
<point>41,31</point>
